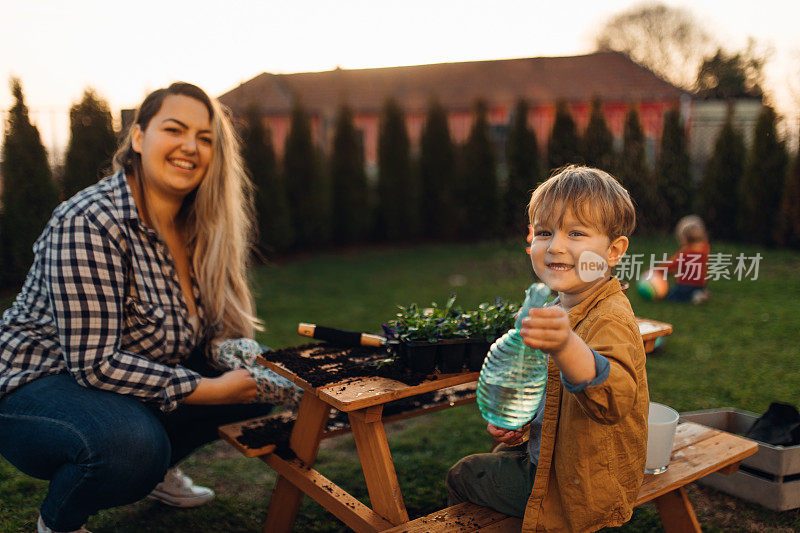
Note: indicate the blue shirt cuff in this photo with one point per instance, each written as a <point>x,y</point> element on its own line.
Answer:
<point>601,369</point>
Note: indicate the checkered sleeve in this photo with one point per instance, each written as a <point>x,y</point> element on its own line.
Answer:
<point>85,278</point>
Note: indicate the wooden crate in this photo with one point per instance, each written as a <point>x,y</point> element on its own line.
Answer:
<point>770,478</point>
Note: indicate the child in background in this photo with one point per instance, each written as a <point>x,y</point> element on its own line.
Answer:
<point>690,262</point>
<point>583,463</point>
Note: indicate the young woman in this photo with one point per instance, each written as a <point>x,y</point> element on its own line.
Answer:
<point>104,377</point>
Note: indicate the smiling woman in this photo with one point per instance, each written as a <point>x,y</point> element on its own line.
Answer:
<point>177,148</point>
<point>111,358</point>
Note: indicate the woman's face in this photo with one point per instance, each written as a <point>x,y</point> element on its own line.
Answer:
<point>175,147</point>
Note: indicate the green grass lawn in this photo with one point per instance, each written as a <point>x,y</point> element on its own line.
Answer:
<point>739,349</point>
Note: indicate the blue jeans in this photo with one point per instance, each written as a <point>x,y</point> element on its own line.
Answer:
<point>682,293</point>
<point>100,449</point>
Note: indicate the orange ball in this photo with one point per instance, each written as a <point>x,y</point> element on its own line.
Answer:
<point>653,286</point>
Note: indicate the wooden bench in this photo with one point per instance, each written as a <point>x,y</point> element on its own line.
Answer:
<point>697,451</point>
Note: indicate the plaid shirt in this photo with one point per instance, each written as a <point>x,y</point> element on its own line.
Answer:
<point>102,301</point>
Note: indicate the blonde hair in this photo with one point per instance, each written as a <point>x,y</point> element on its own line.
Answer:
<point>595,197</point>
<point>217,216</point>
<point>690,229</point>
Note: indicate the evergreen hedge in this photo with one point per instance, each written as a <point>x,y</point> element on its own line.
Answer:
<point>563,147</point>
<point>91,144</point>
<point>524,173</point>
<point>437,173</point>
<point>305,182</point>
<point>397,217</point>
<point>674,181</point>
<point>788,230</point>
<point>275,229</point>
<point>635,175</point>
<point>29,194</point>
<point>598,142</point>
<point>762,184</point>
<point>718,199</point>
<point>349,199</point>
<point>479,196</point>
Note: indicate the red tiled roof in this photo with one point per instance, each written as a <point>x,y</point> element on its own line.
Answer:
<point>609,75</point>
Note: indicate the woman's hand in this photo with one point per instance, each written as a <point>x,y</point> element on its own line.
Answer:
<point>510,437</point>
<point>234,386</point>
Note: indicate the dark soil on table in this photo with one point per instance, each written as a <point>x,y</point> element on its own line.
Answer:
<point>271,430</point>
<point>324,363</point>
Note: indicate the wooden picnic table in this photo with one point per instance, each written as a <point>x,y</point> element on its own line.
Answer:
<point>362,399</point>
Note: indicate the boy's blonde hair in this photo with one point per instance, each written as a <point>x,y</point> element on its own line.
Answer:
<point>595,197</point>
<point>690,229</point>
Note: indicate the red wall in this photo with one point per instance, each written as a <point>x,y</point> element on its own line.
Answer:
<point>540,118</point>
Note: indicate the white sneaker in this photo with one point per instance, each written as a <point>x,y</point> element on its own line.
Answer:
<point>700,296</point>
<point>178,490</point>
<point>41,528</point>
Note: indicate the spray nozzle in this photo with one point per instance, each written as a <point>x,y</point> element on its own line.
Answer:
<point>535,296</point>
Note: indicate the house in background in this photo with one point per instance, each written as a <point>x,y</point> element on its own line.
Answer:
<point>542,81</point>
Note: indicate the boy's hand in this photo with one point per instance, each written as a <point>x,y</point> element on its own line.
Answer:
<point>547,328</point>
<point>510,437</point>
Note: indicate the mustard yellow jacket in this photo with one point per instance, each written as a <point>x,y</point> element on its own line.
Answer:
<point>593,445</point>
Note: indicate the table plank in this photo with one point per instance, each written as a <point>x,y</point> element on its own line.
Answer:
<point>312,417</point>
<point>335,499</point>
<point>694,458</point>
<point>689,433</point>
<point>461,518</point>
<point>385,495</point>
<point>650,329</point>
<point>365,392</point>
<point>676,512</point>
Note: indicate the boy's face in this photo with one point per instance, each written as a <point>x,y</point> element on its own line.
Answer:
<point>574,258</point>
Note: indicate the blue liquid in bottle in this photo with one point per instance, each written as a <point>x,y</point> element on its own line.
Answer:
<point>513,377</point>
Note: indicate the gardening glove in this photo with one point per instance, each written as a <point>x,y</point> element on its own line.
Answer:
<point>231,354</point>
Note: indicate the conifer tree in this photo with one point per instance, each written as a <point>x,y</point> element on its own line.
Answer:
<point>673,177</point>
<point>788,230</point>
<point>275,229</point>
<point>522,155</point>
<point>305,184</point>
<point>29,195</point>
<point>635,174</point>
<point>564,145</point>
<point>598,141</point>
<point>479,179</point>
<point>437,171</point>
<point>351,222</point>
<point>718,199</point>
<point>762,183</point>
<point>398,207</point>
<point>91,144</point>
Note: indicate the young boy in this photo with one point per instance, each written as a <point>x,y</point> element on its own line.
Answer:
<point>582,467</point>
<point>690,262</point>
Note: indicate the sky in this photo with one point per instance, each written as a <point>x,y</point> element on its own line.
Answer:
<point>125,49</point>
